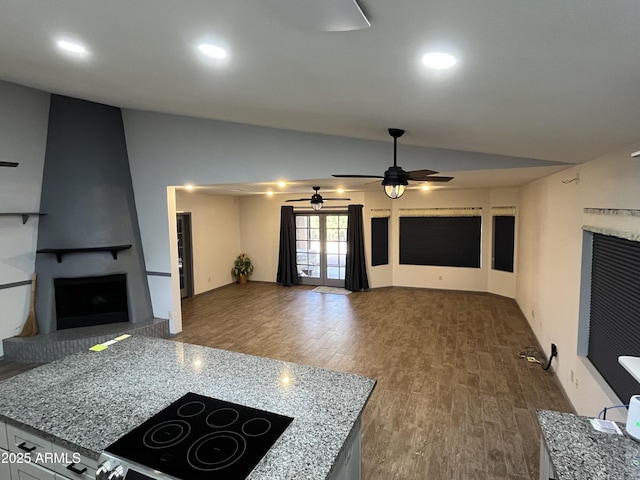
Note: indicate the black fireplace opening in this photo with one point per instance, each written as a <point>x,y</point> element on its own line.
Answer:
<point>90,301</point>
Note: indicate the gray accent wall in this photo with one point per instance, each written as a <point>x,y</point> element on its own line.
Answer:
<point>88,196</point>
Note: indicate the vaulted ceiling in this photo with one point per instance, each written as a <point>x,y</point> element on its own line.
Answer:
<point>549,80</point>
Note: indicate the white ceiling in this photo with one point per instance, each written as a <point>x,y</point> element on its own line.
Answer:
<point>547,79</point>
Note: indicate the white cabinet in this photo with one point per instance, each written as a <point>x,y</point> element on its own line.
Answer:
<point>31,471</point>
<point>27,444</point>
<point>546,467</point>
<point>348,464</point>
<point>46,460</point>
<point>5,468</point>
<point>4,444</point>
<point>72,465</point>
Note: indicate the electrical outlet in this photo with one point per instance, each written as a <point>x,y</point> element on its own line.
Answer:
<point>440,277</point>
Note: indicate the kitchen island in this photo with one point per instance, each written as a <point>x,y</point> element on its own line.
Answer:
<point>570,449</point>
<point>87,401</point>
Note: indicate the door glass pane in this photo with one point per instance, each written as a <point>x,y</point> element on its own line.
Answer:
<point>336,245</point>
<point>307,247</point>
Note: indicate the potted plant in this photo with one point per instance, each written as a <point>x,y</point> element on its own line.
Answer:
<point>242,268</point>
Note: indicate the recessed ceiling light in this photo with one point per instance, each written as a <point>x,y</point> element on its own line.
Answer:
<point>341,190</point>
<point>212,50</point>
<point>188,186</point>
<point>282,184</point>
<point>269,193</point>
<point>426,187</point>
<point>72,47</point>
<point>439,60</point>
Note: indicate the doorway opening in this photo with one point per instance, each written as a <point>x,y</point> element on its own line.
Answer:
<point>321,248</point>
<point>185,254</point>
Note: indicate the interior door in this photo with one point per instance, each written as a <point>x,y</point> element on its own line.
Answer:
<point>321,248</point>
<point>185,254</point>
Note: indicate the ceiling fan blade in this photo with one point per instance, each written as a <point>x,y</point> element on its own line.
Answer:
<point>8,164</point>
<point>358,176</point>
<point>438,179</point>
<point>325,198</point>
<point>419,174</point>
<point>299,200</point>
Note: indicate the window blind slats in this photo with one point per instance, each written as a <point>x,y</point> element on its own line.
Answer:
<point>440,241</point>
<point>614,325</point>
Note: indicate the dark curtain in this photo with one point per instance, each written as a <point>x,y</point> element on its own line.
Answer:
<point>356,268</point>
<point>287,270</point>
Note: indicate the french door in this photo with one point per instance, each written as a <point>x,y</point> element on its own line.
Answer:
<point>321,248</point>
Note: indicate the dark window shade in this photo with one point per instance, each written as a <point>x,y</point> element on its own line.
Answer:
<point>614,324</point>
<point>441,241</point>
<point>503,242</point>
<point>379,241</point>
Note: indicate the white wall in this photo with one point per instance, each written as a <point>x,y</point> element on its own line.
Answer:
<point>23,134</point>
<point>482,279</point>
<point>215,228</point>
<point>380,275</point>
<point>549,262</point>
<point>167,150</point>
<point>498,282</point>
<point>260,229</point>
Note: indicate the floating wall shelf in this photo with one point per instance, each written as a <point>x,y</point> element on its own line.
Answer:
<point>25,215</point>
<point>59,252</point>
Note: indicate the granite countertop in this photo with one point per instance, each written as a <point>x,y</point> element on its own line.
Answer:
<point>88,400</point>
<point>578,451</point>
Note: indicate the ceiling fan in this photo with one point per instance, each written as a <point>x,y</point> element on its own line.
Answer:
<point>8,164</point>
<point>395,179</point>
<point>316,199</point>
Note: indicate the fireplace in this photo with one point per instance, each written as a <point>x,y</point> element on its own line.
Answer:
<point>90,301</point>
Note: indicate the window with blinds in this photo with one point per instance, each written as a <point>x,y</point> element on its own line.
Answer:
<point>442,241</point>
<point>614,320</point>
<point>503,242</point>
<point>379,241</point>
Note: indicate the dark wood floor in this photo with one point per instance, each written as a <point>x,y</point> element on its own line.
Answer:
<point>9,369</point>
<point>454,400</point>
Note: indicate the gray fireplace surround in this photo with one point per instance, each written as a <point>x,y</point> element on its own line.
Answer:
<point>90,230</point>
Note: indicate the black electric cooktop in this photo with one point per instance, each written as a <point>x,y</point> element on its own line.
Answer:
<point>198,437</point>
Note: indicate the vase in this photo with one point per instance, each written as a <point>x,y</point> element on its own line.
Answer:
<point>242,279</point>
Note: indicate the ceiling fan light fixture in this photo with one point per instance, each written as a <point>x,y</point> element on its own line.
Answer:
<point>316,200</point>
<point>394,191</point>
<point>395,182</point>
